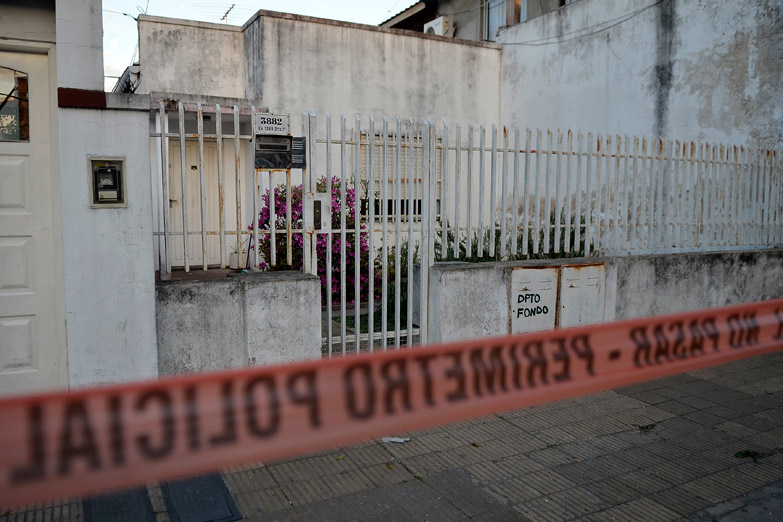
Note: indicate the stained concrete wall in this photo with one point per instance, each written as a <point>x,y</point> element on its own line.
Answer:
<point>662,284</point>
<point>260,318</point>
<point>469,300</point>
<point>109,287</point>
<point>79,27</point>
<point>295,62</point>
<point>677,68</point>
<point>32,20</point>
<point>335,67</point>
<point>190,57</point>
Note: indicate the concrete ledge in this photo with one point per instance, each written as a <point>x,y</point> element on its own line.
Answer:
<point>259,318</point>
<point>471,300</point>
<point>282,316</point>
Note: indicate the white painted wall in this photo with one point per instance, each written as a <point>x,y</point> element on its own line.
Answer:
<point>681,68</point>
<point>293,62</point>
<point>79,44</point>
<point>299,62</point>
<point>189,57</point>
<point>109,278</point>
<point>32,20</point>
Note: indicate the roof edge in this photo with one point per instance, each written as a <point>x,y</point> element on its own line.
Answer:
<point>374,28</point>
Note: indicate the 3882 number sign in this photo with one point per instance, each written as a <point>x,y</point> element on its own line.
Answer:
<point>266,123</point>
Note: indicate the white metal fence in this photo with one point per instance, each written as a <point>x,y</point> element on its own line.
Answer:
<point>382,197</point>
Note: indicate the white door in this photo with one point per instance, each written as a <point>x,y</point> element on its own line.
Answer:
<point>31,338</point>
<point>212,208</point>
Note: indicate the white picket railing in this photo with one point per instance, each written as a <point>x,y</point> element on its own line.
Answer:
<point>443,192</point>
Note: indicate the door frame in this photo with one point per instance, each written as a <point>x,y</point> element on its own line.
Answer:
<point>55,252</point>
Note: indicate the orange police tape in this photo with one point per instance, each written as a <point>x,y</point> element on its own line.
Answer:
<point>60,445</point>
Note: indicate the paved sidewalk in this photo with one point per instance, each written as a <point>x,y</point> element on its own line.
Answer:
<point>702,445</point>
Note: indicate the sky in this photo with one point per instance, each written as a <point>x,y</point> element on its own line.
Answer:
<point>120,36</point>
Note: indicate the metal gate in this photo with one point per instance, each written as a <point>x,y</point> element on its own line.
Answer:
<point>382,199</point>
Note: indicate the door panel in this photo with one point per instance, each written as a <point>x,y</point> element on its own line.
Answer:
<point>31,348</point>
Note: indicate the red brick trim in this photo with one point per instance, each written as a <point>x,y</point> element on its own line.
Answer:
<point>80,98</point>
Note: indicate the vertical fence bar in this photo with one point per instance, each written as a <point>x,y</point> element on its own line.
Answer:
<point>588,196</point>
<point>547,191</point>
<point>343,251</point>
<point>666,194</point>
<point>503,196</point>
<point>558,176</point>
<point>370,235</point>
<point>759,197</point>
<point>307,210</point>
<point>165,265</point>
<point>676,196</point>
<point>525,196</point>
<point>661,203</point>
<point>537,195</point>
<point>700,195</point>
<point>409,312</point>
<point>256,212</point>
<point>385,235</point>
<point>635,213</point>
<point>238,183</point>
<point>469,195</point>
<point>428,228</point>
<point>656,155</point>
<point>714,195</point>
<point>569,157</point>
<point>605,207</point>
<point>312,145</point>
<point>329,294</point>
<point>457,187</point>
<point>621,203</point>
<point>688,151</point>
<point>221,194</point>
<point>625,205</point>
<point>397,232</point>
<point>481,194</point>
<point>424,224</point>
<point>202,187</point>
<point>444,186</point>
<point>714,203</point>
<point>578,196</point>
<point>727,184</point>
<point>357,290</point>
<point>652,184</point>
<point>493,190</point>
<point>642,211</point>
<point>515,207</point>
<point>273,222</point>
<point>732,239</point>
<point>767,198</point>
<point>776,163</point>
<point>599,185</point>
<point>184,181</point>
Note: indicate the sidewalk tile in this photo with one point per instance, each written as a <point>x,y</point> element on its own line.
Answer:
<point>680,501</point>
<point>641,509</point>
<point>387,473</point>
<point>756,422</point>
<point>550,457</point>
<point>306,491</point>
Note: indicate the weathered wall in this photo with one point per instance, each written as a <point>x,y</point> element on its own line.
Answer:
<point>79,28</point>
<point>190,57</point>
<point>335,67</point>
<point>28,20</point>
<point>662,284</point>
<point>109,288</point>
<point>677,68</point>
<point>261,318</point>
<point>472,300</point>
